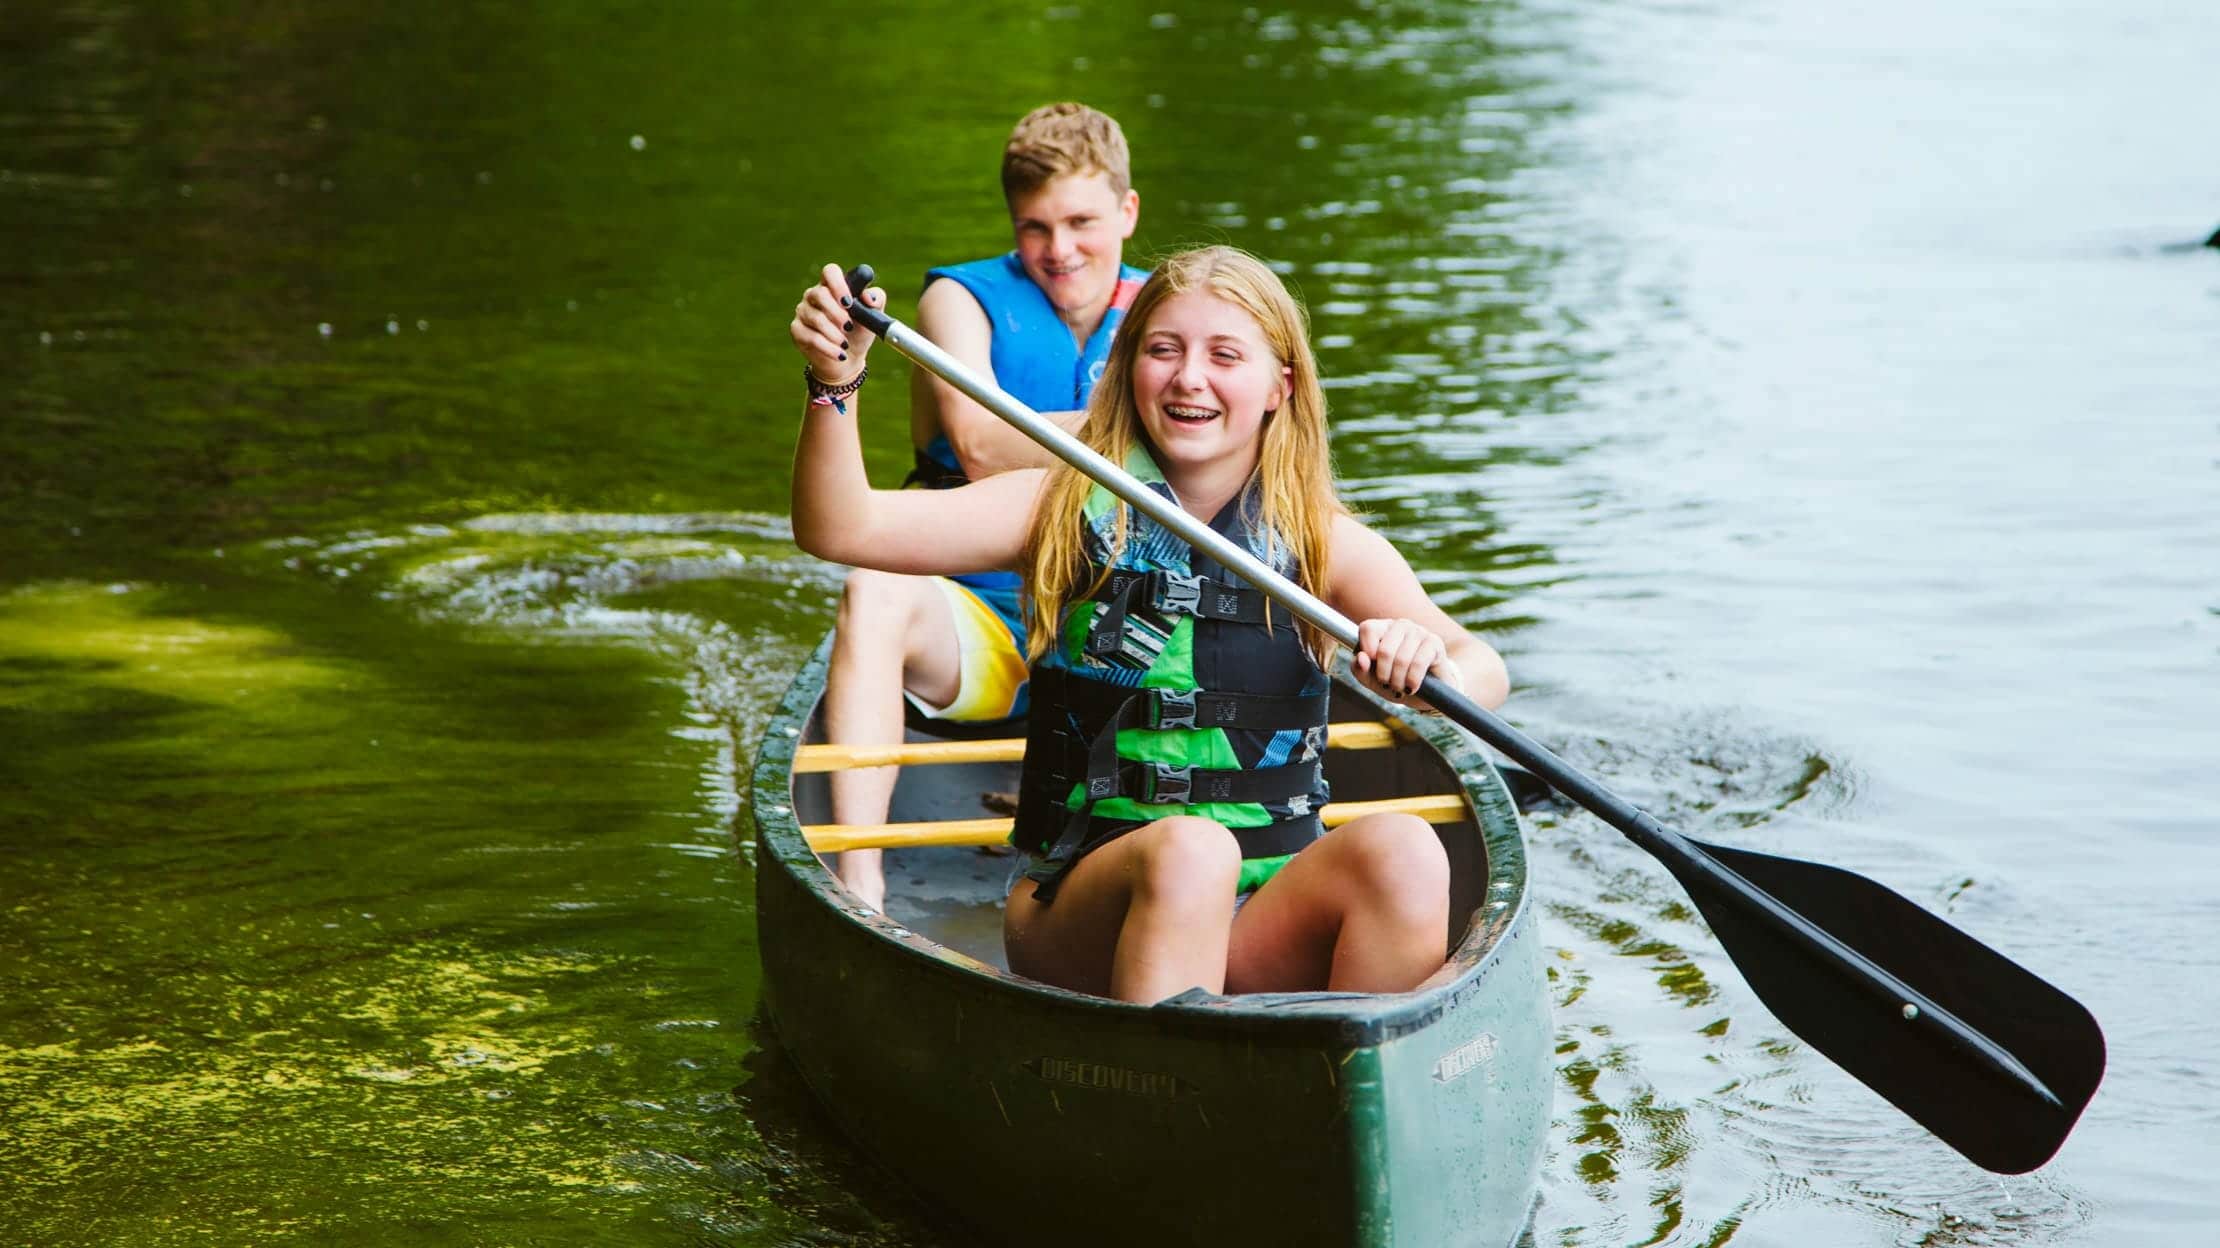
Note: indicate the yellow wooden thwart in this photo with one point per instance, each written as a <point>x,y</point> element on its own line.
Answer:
<point>1350,736</point>
<point>834,838</point>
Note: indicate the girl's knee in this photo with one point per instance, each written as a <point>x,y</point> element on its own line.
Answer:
<point>1186,854</point>
<point>1399,855</point>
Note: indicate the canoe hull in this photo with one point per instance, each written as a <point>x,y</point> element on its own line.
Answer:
<point>1031,1114</point>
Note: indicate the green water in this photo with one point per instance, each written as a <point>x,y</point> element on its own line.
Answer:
<point>370,864</point>
<point>395,412</point>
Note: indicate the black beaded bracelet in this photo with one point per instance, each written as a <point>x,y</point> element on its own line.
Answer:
<point>825,394</point>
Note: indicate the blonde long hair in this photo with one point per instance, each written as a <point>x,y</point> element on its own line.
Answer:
<point>1295,463</point>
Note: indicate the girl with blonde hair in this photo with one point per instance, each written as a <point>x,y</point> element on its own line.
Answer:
<point>1170,795</point>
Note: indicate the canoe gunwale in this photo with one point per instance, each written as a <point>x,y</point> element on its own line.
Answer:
<point>1344,1020</point>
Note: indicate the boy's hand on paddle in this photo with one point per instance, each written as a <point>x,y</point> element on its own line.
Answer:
<point>827,336</point>
<point>1394,657</point>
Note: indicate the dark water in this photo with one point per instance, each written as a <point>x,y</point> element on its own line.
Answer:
<point>1817,407</point>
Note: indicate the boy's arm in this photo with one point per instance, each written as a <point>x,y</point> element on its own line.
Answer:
<point>984,443</point>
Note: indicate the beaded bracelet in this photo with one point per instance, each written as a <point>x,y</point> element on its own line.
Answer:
<point>825,394</point>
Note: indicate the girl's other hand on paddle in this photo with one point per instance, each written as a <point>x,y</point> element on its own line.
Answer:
<point>827,336</point>
<point>1394,657</point>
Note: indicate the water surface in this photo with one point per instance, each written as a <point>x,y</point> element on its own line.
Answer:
<point>394,412</point>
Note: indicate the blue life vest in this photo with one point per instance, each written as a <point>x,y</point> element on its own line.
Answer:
<point>1172,688</point>
<point>1034,357</point>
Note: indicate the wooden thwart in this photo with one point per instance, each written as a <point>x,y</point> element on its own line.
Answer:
<point>834,838</point>
<point>1349,736</point>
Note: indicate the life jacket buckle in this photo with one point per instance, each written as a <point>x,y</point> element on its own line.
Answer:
<point>1178,593</point>
<point>1167,784</point>
<point>1172,708</point>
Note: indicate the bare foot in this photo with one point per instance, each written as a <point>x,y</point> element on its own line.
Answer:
<point>860,872</point>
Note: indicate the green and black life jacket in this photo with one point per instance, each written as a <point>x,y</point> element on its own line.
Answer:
<point>1173,688</point>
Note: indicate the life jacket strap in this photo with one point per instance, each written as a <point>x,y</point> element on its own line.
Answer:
<point>1060,753</point>
<point>1163,783</point>
<point>1263,712</point>
<point>1172,593</point>
<point>1111,776</point>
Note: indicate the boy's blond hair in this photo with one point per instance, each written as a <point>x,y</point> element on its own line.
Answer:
<point>1060,140</point>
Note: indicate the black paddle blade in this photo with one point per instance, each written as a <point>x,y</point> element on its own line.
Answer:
<point>1997,1122</point>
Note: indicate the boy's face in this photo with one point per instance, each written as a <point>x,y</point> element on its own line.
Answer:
<point>1071,236</point>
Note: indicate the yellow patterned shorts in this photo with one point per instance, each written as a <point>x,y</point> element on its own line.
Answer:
<point>990,630</point>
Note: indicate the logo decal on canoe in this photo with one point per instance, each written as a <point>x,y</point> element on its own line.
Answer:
<point>1465,1058</point>
<point>1072,1072</point>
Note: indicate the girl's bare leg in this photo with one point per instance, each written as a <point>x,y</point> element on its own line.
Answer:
<point>1141,919</point>
<point>1364,908</point>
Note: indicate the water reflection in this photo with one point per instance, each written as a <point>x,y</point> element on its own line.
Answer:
<point>396,913</point>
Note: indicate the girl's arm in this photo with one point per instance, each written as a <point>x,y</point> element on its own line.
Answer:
<point>838,515</point>
<point>1402,636</point>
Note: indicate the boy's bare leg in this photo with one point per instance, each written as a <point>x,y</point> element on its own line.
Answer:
<point>894,633</point>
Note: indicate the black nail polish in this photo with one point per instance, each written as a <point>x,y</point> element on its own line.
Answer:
<point>844,355</point>
<point>848,328</point>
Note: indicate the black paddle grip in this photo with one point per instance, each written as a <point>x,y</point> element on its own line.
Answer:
<point>869,317</point>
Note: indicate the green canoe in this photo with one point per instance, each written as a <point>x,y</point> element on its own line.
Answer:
<point>1033,1115</point>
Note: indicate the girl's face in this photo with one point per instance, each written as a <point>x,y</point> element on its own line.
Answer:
<point>1203,380</point>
